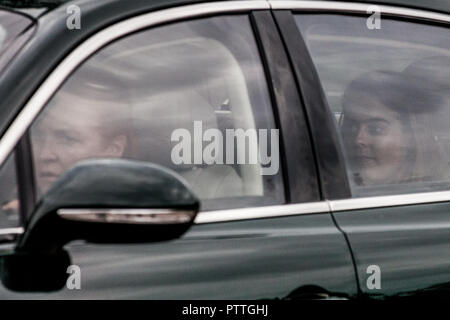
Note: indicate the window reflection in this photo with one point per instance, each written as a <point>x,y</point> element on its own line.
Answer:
<point>83,121</point>
<point>389,91</point>
<point>388,128</point>
<point>128,99</point>
<point>9,202</point>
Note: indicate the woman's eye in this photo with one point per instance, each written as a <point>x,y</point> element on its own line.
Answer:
<point>376,129</point>
<point>71,140</point>
<point>66,137</point>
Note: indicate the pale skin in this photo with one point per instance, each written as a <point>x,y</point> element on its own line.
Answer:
<point>71,131</point>
<point>379,141</point>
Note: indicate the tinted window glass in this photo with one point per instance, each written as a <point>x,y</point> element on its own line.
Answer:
<point>389,90</point>
<point>190,96</point>
<point>9,202</point>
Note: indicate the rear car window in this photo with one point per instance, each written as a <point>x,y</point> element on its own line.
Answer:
<point>389,91</point>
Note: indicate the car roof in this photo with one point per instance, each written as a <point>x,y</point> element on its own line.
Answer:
<point>52,32</point>
<point>433,5</point>
<point>37,8</point>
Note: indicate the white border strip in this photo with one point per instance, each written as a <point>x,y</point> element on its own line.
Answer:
<point>389,201</point>
<point>357,7</point>
<point>262,212</point>
<point>97,41</point>
<point>307,208</point>
<point>327,206</point>
<point>11,231</point>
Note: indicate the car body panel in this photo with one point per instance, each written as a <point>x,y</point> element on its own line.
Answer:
<point>253,259</point>
<point>410,244</point>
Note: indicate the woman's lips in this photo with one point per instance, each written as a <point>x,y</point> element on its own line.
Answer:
<point>49,176</point>
<point>367,161</point>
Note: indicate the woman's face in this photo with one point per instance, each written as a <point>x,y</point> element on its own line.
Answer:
<point>377,142</point>
<point>69,131</point>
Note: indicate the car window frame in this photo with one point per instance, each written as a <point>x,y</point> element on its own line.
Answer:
<point>10,235</point>
<point>396,14</point>
<point>308,203</point>
<point>226,202</point>
<point>284,12</point>
<point>334,183</point>
<point>296,152</point>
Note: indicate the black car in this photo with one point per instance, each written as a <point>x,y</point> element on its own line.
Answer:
<point>224,150</point>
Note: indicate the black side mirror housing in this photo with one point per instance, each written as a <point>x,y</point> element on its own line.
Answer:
<point>111,201</point>
<point>35,272</point>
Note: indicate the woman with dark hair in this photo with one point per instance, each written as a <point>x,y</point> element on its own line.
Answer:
<point>387,128</point>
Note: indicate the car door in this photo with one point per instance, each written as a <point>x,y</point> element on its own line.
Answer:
<point>15,30</point>
<point>384,78</point>
<point>164,94</point>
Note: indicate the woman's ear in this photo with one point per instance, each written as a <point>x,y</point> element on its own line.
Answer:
<point>116,147</point>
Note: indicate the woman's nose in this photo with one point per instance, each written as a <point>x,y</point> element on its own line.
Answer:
<point>362,136</point>
<point>46,150</point>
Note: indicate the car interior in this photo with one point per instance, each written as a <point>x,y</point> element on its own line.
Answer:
<point>360,52</point>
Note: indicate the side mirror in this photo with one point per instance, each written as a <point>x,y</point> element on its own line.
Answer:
<point>111,201</point>
<point>34,272</point>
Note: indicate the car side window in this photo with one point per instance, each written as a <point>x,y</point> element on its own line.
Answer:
<point>9,202</point>
<point>190,96</point>
<point>389,91</point>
